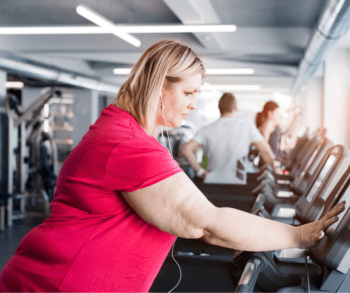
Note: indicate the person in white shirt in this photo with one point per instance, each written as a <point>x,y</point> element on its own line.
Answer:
<point>226,143</point>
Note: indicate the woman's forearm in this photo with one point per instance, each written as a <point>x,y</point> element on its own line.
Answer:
<point>239,230</point>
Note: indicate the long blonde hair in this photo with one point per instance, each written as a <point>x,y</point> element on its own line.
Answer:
<point>164,63</point>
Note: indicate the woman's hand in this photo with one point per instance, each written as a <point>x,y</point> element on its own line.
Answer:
<point>205,174</point>
<point>310,234</point>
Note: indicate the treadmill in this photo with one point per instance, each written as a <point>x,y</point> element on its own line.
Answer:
<point>332,164</point>
<point>298,183</point>
<point>325,267</point>
<point>294,163</point>
<point>243,197</point>
<point>334,157</point>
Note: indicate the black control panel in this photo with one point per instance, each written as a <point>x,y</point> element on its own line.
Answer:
<point>333,249</point>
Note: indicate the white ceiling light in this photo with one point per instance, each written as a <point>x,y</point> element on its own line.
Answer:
<point>229,71</point>
<point>179,28</point>
<point>218,71</point>
<point>101,21</point>
<point>139,29</point>
<point>53,30</point>
<point>233,87</point>
<point>121,71</point>
<point>14,84</point>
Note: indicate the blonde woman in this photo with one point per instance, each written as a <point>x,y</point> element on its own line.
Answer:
<point>121,199</point>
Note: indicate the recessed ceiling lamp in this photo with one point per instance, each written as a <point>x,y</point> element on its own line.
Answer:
<point>14,84</point>
<point>218,71</point>
<point>101,21</point>
<point>233,87</point>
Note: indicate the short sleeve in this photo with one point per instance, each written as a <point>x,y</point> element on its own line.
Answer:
<point>200,137</point>
<point>138,163</point>
<point>255,134</point>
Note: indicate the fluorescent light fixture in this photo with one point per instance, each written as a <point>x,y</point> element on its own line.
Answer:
<point>53,30</point>
<point>121,71</point>
<point>137,29</point>
<point>180,28</point>
<point>14,84</point>
<point>229,71</point>
<point>233,87</point>
<point>218,71</point>
<point>101,21</point>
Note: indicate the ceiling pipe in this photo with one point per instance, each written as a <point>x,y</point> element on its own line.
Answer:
<point>36,71</point>
<point>334,22</point>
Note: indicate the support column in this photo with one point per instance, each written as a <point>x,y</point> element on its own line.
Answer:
<point>313,106</point>
<point>85,112</point>
<point>337,96</point>
<point>3,90</point>
<point>299,125</point>
<point>3,149</point>
<point>94,106</point>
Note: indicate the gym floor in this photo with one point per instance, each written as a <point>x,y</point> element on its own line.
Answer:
<point>12,236</point>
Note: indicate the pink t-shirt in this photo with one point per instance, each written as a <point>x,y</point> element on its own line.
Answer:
<point>93,240</point>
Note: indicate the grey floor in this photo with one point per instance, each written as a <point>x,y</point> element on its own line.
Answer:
<point>12,236</point>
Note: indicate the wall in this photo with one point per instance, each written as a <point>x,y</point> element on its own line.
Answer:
<point>313,105</point>
<point>337,95</point>
<point>86,111</point>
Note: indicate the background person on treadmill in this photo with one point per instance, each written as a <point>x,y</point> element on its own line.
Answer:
<point>121,199</point>
<point>226,143</point>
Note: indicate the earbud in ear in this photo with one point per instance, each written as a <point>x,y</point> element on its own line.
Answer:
<point>161,98</point>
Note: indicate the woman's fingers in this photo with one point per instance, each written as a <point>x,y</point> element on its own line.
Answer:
<point>332,216</point>
<point>312,233</point>
<point>327,223</point>
<point>321,235</point>
<point>329,230</point>
<point>336,210</point>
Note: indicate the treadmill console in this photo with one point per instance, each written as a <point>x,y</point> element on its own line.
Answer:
<point>325,168</point>
<point>333,249</point>
<point>323,174</point>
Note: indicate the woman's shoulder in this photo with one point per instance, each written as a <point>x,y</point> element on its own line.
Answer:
<point>116,122</point>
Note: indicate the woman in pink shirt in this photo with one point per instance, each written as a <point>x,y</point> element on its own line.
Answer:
<point>121,199</point>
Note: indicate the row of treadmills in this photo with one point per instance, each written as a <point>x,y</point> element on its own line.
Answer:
<point>318,178</point>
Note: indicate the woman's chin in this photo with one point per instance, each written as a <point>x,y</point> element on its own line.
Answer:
<point>173,123</point>
<point>178,123</point>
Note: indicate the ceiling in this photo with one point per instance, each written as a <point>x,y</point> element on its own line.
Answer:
<point>271,36</point>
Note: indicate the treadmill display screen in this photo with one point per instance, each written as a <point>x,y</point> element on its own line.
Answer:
<point>346,197</point>
<point>341,216</point>
<point>317,161</point>
<point>323,174</point>
<point>340,172</point>
<point>311,160</point>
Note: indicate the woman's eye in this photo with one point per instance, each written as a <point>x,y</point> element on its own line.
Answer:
<point>188,94</point>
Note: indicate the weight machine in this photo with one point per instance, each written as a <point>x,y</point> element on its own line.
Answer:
<point>32,159</point>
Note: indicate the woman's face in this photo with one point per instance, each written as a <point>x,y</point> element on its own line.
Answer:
<point>276,116</point>
<point>178,101</point>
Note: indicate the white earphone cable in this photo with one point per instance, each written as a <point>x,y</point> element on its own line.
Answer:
<point>170,150</point>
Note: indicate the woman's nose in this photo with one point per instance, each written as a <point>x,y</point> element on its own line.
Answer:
<point>193,103</point>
